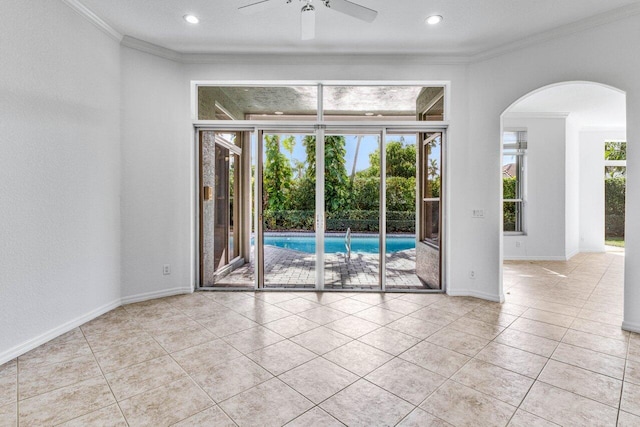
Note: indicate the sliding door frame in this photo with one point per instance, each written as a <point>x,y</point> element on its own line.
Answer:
<point>259,128</point>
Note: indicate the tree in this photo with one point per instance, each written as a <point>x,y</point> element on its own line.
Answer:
<point>277,174</point>
<point>615,151</point>
<point>336,182</point>
<point>401,161</point>
<point>336,193</point>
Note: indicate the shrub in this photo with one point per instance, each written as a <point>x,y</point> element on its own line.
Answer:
<point>358,220</point>
<point>614,190</point>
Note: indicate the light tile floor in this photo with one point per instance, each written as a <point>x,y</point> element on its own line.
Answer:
<point>552,354</point>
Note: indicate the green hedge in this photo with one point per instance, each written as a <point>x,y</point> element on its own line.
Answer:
<point>357,220</point>
<point>614,190</point>
<point>509,192</point>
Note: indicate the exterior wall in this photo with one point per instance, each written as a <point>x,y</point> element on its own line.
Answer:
<point>59,173</point>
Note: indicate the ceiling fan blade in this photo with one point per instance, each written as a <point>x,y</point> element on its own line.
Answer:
<point>257,6</point>
<point>352,9</point>
<point>308,24</point>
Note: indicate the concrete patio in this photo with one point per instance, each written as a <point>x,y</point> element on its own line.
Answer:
<point>285,268</point>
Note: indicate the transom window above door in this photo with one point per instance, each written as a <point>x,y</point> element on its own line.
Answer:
<point>331,102</point>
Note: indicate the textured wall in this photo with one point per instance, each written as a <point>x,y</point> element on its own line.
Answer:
<point>59,171</point>
<point>158,171</point>
<point>428,265</point>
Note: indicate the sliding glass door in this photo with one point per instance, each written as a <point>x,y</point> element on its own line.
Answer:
<point>326,209</point>
<point>352,186</point>
<point>287,210</point>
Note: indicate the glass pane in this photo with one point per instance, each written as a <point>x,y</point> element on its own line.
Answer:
<point>401,212</point>
<point>614,203</point>
<point>376,103</point>
<point>234,162</point>
<point>428,256</point>
<point>288,203</point>
<point>614,150</point>
<point>432,222</point>
<point>257,103</point>
<point>221,207</point>
<point>512,216</point>
<point>352,204</point>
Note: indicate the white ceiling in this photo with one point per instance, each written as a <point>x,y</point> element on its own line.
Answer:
<point>590,104</point>
<point>469,26</point>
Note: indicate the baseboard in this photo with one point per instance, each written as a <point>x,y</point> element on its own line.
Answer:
<point>572,254</point>
<point>155,294</point>
<point>534,258</point>
<point>26,346</point>
<point>631,327</point>
<point>476,294</point>
<point>593,250</point>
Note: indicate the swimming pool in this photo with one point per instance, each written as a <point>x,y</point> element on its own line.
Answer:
<point>335,244</point>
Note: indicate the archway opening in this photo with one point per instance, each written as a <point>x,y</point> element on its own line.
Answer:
<point>558,148</point>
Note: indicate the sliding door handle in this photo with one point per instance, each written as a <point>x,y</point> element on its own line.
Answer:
<point>207,193</point>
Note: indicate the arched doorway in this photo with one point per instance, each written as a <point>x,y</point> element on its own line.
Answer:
<point>553,252</point>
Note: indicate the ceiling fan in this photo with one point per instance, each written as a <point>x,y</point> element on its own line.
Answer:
<point>308,12</point>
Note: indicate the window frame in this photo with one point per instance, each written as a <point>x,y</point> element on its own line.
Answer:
<point>517,149</point>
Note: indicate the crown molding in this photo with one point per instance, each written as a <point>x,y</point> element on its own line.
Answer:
<point>279,58</point>
<point>536,115</point>
<point>86,13</point>
<point>603,129</point>
<point>409,57</point>
<point>559,32</point>
<point>152,49</point>
<point>327,59</point>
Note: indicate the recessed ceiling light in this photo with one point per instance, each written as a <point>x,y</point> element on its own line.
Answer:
<point>278,113</point>
<point>368,114</point>
<point>191,19</point>
<point>434,19</point>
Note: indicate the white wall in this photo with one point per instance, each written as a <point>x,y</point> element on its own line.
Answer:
<point>497,82</point>
<point>480,91</point>
<point>572,188</point>
<point>59,173</point>
<point>545,191</point>
<point>157,171</point>
<point>592,221</point>
<point>376,68</point>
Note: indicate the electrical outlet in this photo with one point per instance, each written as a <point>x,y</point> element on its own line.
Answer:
<point>166,269</point>
<point>477,213</point>
<point>517,244</point>
<point>472,274</point>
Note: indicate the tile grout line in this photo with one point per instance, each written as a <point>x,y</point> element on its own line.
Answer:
<point>17,391</point>
<point>105,380</point>
<point>624,376</point>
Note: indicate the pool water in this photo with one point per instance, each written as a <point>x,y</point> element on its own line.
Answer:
<point>332,245</point>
